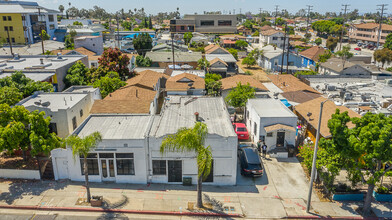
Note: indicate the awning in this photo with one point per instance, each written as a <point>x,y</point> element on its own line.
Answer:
<point>275,127</point>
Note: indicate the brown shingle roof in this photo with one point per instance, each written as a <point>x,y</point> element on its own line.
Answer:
<point>329,109</point>
<point>232,36</point>
<point>266,27</point>
<point>121,106</point>
<point>84,51</point>
<point>275,127</point>
<point>146,78</point>
<point>289,83</point>
<point>175,84</point>
<point>212,47</point>
<point>231,82</point>
<point>385,27</point>
<point>217,60</point>
<point>300,96</point>
<point>269,32</point>
<point>313,53</point>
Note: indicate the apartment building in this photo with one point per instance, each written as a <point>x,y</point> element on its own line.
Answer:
<point>205,24</point>
<point>273,37</point>
<point>368,32</point>
<point>22,22</point>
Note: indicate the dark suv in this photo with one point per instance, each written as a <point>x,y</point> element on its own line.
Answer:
<point>250,162</point>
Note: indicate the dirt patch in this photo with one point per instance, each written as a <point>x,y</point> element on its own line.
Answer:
<point>17,162</point>
<point>82,201</point>
<point>256,71</point>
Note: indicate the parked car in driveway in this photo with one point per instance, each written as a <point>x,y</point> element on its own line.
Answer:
<point>358,49</point>
<point>250,162</point>
<point>241,131</point>
<point>245,145</point>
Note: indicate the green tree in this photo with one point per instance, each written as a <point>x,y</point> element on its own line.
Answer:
<point>323,26</point>
<point>332,42</point>
<point>366,148</point>
<point>109,83</point>
<point>234,52</point>
<point>310,72</point>
<point>77,74</point>
<point>127,25</point>
<point>383,56</point>
<point>142,43</point>
<point>81,147</point>
<point>318,41</point>
<point>61,8</point>
<point>192,140</point>
<point>149,23</point>
<point>187,37</point>
<point>241,44</point>
<point>324,57</point>
<point>203,64</point>
<point>248,24</point>
<point>112,59</point>
<point>249,61</point>
<point>143,61</point>
<point>239,95</point>
<point>345,54</point>
<point>388,42</point>
<point>77,23</point>
<point>213,84</point>
<point>44,36</point>
<point>280,21</point>
<point>256,34</point>
<point>10,95</point>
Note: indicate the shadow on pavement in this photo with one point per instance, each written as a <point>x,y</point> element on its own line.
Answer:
<point>217,207</point>
<point>20,188</point>
<point>117,205</point>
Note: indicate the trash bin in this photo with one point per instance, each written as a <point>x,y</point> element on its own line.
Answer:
<point>291,150</point>
<point>187,181</point>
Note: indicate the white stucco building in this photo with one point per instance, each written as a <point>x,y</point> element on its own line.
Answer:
<point>273,37</point>
<point>270,120</point>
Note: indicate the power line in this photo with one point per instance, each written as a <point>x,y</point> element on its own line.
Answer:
<point>276,13</point>
<point>382,9</point>
<point>344,17</point>
<point>307,23</point>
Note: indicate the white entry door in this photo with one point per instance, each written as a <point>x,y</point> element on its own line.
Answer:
<point>107,166</point>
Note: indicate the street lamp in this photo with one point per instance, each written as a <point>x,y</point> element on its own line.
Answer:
<point>314,158</point>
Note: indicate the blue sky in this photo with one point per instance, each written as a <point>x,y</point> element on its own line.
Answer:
<point>192,6</point>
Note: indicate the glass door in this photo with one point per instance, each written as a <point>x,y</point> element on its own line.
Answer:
<point>107,166</point>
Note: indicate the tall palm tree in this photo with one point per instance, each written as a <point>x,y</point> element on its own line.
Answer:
<point>188,140</point>
<point>82,146</point>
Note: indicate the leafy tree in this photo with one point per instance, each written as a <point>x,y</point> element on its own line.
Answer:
<point>338,20</point>
<point>308,36</point>
<point>77,23</point>
<point>192,140</point>
<point>44,36</point>
<point>318,41</point>
<point>388,42</point>
<point>149,23</point>
<point>143,61</point>
<point>345,54</point>
<point>332,42</point>
<point>142,43</point>
<point>127,25</point>
<point>241,44</point>
<point>234,52</point>
<point>10,95</point>
<point>256,34</point>
<point>383,56</point>
<point>248,24</point>
<point>324,57</point>
<point>112,59</point>
<point>187,37</point>
<point>81,147</point>
<point>256,53</point>
<point>323,26</point>
<point>61,8</point>
<point>68,44</point>
<point>310,72</point>
<point>203,64</point>
<point>136,29</point>
<point>280,21</point>
<point>109,84</point>
<point>239,95</point>
<point>389,69</point>
<point>77,74</point>
<point>366,148</point>
<point>249,61</point>
<point>268,23</point>
<point>213,84</point>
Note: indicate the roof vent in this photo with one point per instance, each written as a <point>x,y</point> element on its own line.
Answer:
<point>59,57</point>
<point>16,58</point>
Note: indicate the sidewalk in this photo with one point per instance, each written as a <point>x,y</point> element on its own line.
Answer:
<point>280,193</point>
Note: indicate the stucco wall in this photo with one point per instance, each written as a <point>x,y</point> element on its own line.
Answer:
<point>19,174</point>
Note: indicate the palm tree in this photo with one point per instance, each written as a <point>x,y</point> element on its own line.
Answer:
<point>82,146</point>
<point>188,140</point>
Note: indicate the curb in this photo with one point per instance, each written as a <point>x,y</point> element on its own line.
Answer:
<point>76,209</point>
<point>330,217</point>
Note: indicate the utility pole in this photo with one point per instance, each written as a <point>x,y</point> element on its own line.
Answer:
<point>276,13</point>
<point>9,39</point>
<point>288,51</point>
<point>307,22</point>
<point>118,31</point>
<point>172,47</point>
<point>234,11</point>
<point>284,47</point>
<point>40,25</point>
<point>382,9</point>
<point>260,13</point>
<point>344,17</point>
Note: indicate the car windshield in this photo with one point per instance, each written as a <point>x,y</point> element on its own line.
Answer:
<point>241,129</point>
<point>252,166</point>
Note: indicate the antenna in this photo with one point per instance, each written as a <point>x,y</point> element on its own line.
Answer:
<point>276,13</point>
<point>382,9</point>
<point>344,17</point>
<point>307,23</point>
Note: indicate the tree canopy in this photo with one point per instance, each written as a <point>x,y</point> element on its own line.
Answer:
<point>213,84</point>
<point>109,83</point>
<point>77,74</point>
<point>142,43</point>
<point>383,56</point>
<point>112,59</point>
<point>239,95</point>
<point>332,43</point>
<point>388,41</point>
<point>345,53</point>
<point>143,61</point>
<point>187,37</point>
<point>241,44</point>
<point>318,41</point>
<point>234,52</point>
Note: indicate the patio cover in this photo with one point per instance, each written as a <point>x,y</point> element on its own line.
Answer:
<point>275,127</point>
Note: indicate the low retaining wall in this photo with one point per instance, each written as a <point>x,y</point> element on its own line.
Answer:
<point>382,197</point>
<point>19,174</point>
<point>348,197</point>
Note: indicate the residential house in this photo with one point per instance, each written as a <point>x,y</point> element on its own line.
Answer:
<point>231,82</point>
<point>368,32</point>
<point>41,67</point>
<point>164,59</point>
<point>308,113</point>
<point>244,30</point>
<point>22,22</point>
<point>206,24</point>
<point>272,60</point>
<point>140,96</point>
<point>229,40</point>
<point>290,83</point>
<point>311,56</point>
<point>91,55</point>
<point>215,53</point>
<point>92,43</point>
<point>376,72</point>
<point>180,112</point>
<point>273,37</point>
<point>67,109</point>
<point>130,148</point>
<point>337,66</point>
<point>167,47</point>
<point>299,96</point>
<point>185,84</point>
<point>266,28</point>
<point>270,121</point>
<point>218,66</point>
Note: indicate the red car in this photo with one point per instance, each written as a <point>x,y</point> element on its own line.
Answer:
<point>358,48</point>
<point>241,131</point>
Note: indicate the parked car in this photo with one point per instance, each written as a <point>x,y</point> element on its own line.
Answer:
<point>245,145</point>
<point>358,49</point>
<point>359,44</point>
<point>250,162</point>
<point>241,131</point>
